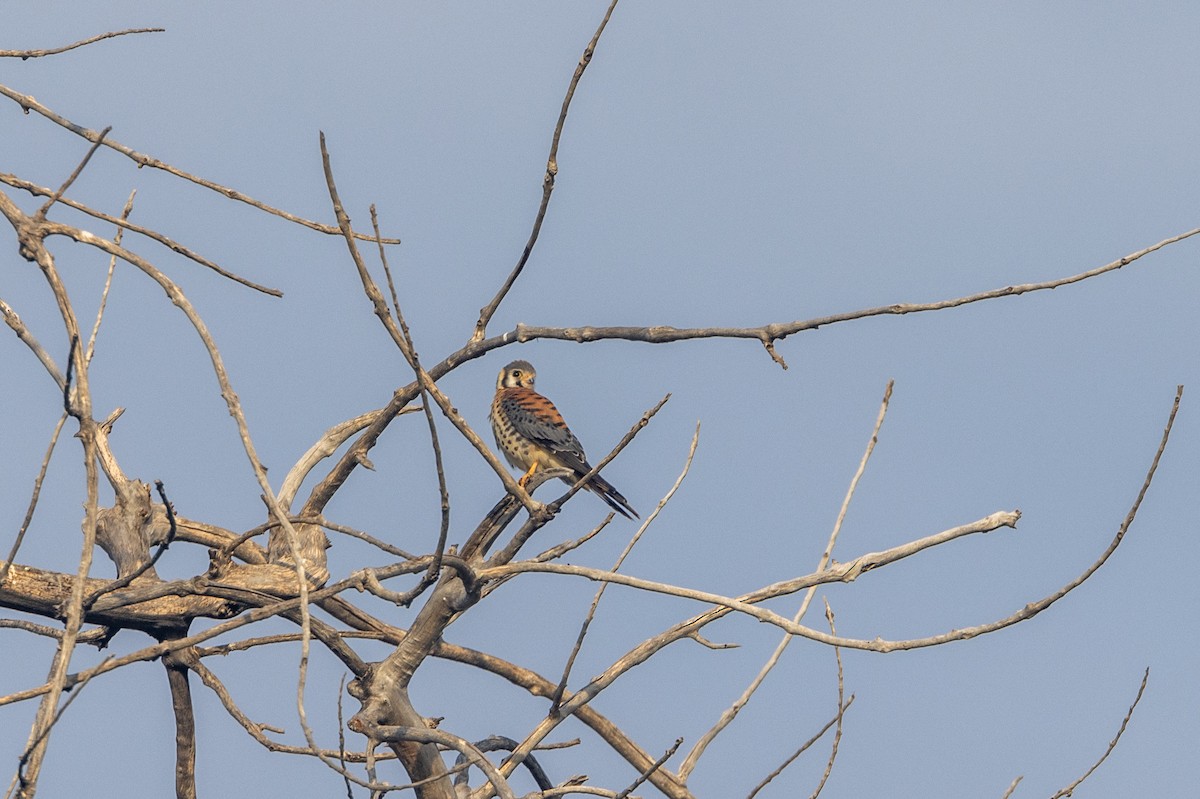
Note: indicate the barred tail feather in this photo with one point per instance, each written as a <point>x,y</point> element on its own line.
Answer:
<point>604,489</point>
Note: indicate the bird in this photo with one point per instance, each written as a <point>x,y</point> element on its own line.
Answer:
<point>532,434</point>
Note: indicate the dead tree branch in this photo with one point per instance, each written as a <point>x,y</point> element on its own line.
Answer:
<point>486,313</point>
<point>177,664</point>
<point>28,103</point>
<point>1070,789</point>
<point>693,757</point>
<point>27,54</point>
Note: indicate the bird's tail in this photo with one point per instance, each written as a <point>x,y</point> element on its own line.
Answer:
<point>604,489</point>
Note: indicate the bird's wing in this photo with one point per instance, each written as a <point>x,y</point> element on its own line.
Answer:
<point>535,417</point>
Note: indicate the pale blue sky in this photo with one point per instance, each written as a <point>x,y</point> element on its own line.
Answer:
<point>723,164</point>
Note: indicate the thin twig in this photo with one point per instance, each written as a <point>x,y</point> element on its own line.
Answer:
<point>777,331</point>
<point>404,599</point>
<point>655,766</point>
<point>26,54</point>
<point>90,350</point>
<point>841,701</point>
<point>98,636</point>
<point>45,209</point>
<point>28,103</point>
<point>558,550</point>
<point>341,727</point>
<point>415,364</point>
<point>591,614</point>
<point>843,706</point>
<point>33,500</point>
<point>486,313</point>
<point>804,747</point>
<point>693,757</point>
<point>1070,789</point>
<point>371,747</point>
<point>214,684</point>
<point>36,742</point>
<point>279,638</point>
<point>123,224</point>
<point>367,537</point>
<point>230,543</point>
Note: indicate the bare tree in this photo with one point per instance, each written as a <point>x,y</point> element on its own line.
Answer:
<point>276,566</point>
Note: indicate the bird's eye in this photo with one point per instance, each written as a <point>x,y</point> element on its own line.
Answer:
<point>516,372</point>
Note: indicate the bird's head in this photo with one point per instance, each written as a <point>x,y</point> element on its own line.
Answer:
<point>518,374</point>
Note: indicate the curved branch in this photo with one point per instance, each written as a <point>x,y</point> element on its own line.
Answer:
<point>425,735</point>
<point>125,224</point>
<point>325,446</point>
<point>27,54</point>
<point>486,313</point>
<point>726,718</point>
<point>28,103</point>
<point>496,743</point>
<point>1070,789</point>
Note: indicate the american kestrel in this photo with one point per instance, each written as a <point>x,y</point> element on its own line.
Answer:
<point>531,433</point>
